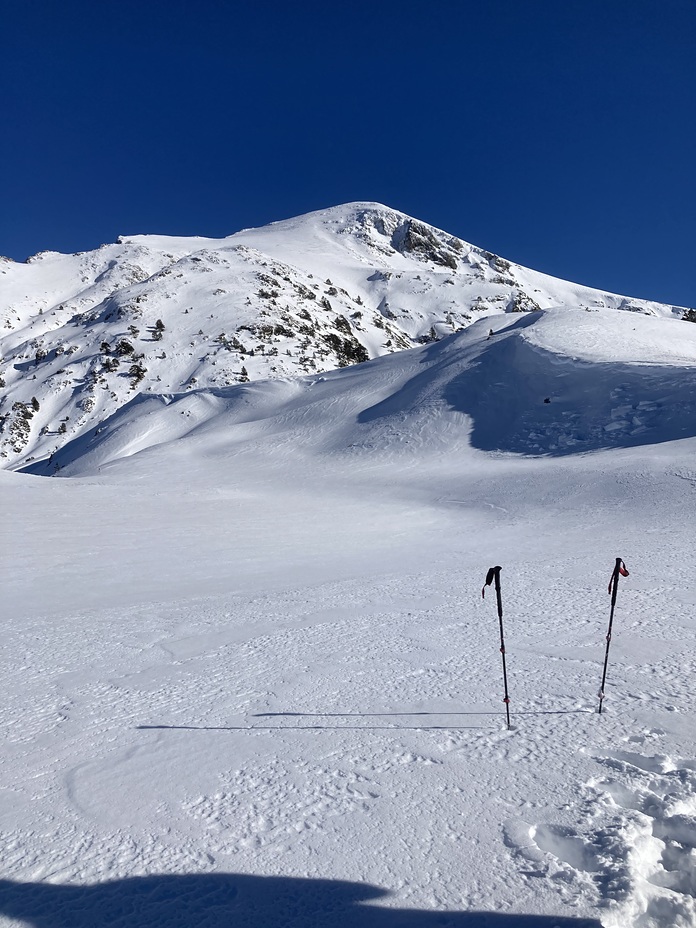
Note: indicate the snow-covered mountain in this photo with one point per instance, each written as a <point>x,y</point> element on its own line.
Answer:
<point>84,335</point>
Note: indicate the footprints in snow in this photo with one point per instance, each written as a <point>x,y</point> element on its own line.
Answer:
<point>637,856</point>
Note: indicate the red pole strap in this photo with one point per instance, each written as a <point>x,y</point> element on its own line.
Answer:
<point>620,565</point>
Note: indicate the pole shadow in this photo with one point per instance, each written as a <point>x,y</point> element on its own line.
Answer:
<point>312,728</point>
<point>358,715</point>
<point>228,900</point>
<point>367,715</point>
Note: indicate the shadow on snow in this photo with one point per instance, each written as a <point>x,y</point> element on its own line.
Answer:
<point>537,403</point>
<point>314,726</point>
<point>524,399</point>
<point>236,901</point>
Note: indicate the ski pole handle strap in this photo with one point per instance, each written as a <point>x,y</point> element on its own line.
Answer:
<point>620,568</point>
<point>490,577</point>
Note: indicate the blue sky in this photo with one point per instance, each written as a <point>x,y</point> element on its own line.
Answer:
<point>560,134</point>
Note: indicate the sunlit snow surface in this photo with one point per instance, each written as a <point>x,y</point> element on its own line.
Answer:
<point>250,680</point>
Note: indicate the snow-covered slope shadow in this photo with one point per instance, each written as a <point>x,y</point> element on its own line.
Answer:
<point>523,398</point>
<point>237,901</point>
<point>527,400</point>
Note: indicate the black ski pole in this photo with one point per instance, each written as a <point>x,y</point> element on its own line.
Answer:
<point>619,570</point>
<point>494,575</point>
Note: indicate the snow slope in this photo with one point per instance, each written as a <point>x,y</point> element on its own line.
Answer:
<point>544,383</point>
<point>250,679</point>
<point>82,335</point>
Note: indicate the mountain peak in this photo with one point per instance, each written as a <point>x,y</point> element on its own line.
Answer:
<point>159,315</point>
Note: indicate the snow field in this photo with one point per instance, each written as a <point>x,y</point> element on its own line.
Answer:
<point>322,726</point>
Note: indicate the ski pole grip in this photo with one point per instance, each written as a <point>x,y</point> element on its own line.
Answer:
<point>490,577</point>
<point>619,568</point>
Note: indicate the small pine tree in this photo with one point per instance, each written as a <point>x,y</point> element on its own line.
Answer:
<point>136,372</point>
<point>124,347</point>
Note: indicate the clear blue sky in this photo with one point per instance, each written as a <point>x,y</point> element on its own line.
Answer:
<point>558,133</point>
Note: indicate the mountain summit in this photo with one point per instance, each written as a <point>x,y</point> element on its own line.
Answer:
<point>86,334</point>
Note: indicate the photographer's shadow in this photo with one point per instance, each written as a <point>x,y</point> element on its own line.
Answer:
<point>235,901</point>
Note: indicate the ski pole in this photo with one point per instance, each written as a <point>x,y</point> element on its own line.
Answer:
<point>619,570</point>
<point>494,575</point>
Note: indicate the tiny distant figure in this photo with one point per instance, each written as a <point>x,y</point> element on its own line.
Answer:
<point>547,399</point>
<point>490,333</point>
